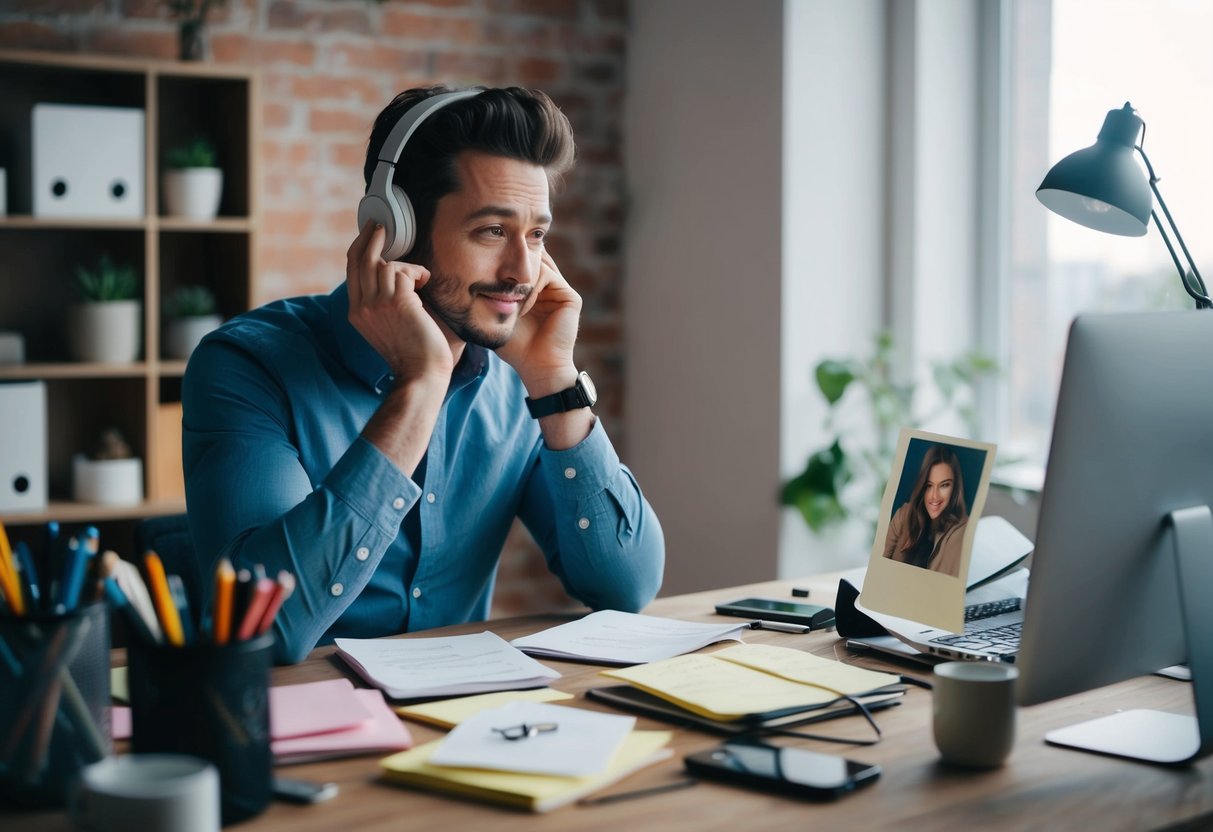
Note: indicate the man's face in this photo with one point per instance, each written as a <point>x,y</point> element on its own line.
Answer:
<point>487,241</point>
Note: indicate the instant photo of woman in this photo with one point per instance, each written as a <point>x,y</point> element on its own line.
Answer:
<point>928,529</point>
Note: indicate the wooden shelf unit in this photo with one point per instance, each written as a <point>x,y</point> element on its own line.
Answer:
<point>38,256</point>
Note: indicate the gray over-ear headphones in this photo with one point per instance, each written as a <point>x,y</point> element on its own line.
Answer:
<point>388,204</point>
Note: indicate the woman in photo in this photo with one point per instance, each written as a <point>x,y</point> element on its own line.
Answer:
<point>928,529</point>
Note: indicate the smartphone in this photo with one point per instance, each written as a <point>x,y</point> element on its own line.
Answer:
<point>792,771</point>
<point>813,616</point>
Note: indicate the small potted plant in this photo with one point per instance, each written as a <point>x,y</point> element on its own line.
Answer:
<point>105,325</point>
<point>191,313</point>
<point>193,183</point>
<point>111,475</point>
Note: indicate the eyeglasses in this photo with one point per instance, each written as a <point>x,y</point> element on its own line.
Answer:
<point>523,731</point>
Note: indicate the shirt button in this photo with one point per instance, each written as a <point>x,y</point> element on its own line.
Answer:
<point>363,553</point>
<point>583,523</point>
<point>429,498</point>
<point>336,589</point>
<point>569,473</point>
<point>416,592</point>
<point>398,503</point>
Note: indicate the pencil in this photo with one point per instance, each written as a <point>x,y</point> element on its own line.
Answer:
<point>158,586</point>
<point>263,591</point>
<point>225,590</point>
<point>284,586</point>
<point>176,590</point>
<point>127,576</point>
<point>8,576</point>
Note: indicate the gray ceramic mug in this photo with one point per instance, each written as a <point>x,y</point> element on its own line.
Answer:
<point>974,712</point>
<point>147,792</point>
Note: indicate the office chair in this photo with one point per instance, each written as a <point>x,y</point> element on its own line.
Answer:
<point>169,537</point>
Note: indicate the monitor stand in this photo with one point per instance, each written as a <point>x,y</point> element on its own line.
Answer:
<point>1157,736</point>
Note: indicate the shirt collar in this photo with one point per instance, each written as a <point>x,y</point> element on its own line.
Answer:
<point>368,366</point>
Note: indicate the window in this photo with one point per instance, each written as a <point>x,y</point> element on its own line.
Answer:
<point>1069,62</point>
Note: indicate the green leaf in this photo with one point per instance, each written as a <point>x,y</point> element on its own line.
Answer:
<point>833,377</point>
<point>815,492</point>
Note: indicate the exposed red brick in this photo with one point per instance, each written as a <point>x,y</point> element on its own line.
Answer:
<point>326,87</point>
<point>339,121</point>
<point>348,155</point>
<point>53,7</point>
<point>275,114</point>
<point>547,8</point>
<point>471,68</point>
<point>537,72</point>
<point>145,43</point>
<point>238,48</point>
<point>291,153</point>
<point>431,28</point>
<point>376,57</point>
<point>27,35</point>
<point>294,223</point>
<point>289,14</point>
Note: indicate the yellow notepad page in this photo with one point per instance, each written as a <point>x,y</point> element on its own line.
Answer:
<point>799,666</point>
<point>719,689</point>
<point>447,713</point>
<point>536,792</point>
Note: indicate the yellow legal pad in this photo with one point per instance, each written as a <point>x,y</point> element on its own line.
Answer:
<point>536,792</point>
<point>447,713</point>
<point>750,679</point>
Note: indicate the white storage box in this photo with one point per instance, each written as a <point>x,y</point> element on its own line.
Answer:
<point>88,161</point>
<point>23,446</point>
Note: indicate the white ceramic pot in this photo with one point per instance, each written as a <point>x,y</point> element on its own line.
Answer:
<point>193,192</point>
<point>106,332</point>
<point>110,482</point>
<point>183,334</point>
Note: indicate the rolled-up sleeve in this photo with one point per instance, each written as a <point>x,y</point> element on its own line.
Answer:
<point>251,500</point>
<point>599,534</point>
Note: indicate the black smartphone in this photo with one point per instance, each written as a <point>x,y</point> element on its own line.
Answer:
<point>813,616</point>
<point>792,771</point>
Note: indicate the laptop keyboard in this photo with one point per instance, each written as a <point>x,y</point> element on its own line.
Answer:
<point>999,639</point>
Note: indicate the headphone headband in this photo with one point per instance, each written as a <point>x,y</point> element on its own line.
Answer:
<point>385,203</point>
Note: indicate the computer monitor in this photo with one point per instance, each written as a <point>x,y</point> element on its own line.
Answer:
<point>1122,575</point>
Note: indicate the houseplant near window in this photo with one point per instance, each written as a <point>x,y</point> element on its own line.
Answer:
<point>105,326</point>
<point>190,313</point>
<point>846,478</point>
<point>193,182</point>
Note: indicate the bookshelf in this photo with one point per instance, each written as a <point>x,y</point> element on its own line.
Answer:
<point>38,256</point>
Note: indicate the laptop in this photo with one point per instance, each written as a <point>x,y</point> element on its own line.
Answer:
<point>993,613</point>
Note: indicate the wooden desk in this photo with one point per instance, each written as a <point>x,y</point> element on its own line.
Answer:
<point>1040,788</point>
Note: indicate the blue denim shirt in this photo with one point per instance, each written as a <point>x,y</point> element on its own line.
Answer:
<point>277,474</point>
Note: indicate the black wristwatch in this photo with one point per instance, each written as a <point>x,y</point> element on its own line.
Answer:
<point>581,394</point>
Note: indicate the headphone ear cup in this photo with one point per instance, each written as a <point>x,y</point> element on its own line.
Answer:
<point>406,225</point>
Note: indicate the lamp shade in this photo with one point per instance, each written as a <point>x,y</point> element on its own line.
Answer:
<point>1101,186</point>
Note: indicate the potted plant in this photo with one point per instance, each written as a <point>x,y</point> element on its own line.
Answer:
<point>191,313</point>
<point>192,41</point>
<point>193,183</point>
<point>847,476</point>
<point>105,325</point>
<point>111,475</point>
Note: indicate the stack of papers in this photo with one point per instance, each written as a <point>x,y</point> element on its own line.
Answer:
<point>323,720</point>
<point>447,713</point>
<point>421,668</point>
<point>586,752</point>
<point>613,637</point>
<point>751,680</point>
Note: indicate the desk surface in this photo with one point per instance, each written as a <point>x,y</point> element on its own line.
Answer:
<point>1041,787</point>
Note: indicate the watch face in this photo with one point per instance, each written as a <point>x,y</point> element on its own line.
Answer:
<point>587,387</point>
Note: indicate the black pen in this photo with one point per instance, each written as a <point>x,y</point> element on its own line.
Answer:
<point>780,627</point>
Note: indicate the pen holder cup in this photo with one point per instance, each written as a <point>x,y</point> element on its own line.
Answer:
<point>210,701</point>
<point>54,702</point>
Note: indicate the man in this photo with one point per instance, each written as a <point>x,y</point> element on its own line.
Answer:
<point>377,442</point>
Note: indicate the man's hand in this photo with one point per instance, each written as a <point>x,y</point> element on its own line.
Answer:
<point>541,349</point>
<point>385,309</point>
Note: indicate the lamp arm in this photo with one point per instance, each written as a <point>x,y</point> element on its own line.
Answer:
<point>1202,296</point>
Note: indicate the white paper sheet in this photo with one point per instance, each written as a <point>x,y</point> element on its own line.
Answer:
<point>613,637</point>
<point>413,668</point>
<point>584,742</point>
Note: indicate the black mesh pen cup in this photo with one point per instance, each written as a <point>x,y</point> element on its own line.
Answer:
<point>212,702</point>
<point>54,702</point>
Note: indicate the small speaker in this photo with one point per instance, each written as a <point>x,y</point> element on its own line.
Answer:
<point>23,446</point>
<point>88,161</point>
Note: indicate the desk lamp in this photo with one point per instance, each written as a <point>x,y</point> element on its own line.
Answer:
<point>1101,187</point>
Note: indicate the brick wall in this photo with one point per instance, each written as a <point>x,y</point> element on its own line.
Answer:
<point>328,67</point>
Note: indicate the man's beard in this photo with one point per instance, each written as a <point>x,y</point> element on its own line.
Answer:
<point>451,303</point>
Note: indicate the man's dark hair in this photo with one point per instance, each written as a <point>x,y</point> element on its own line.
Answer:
<point>512,122</point>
